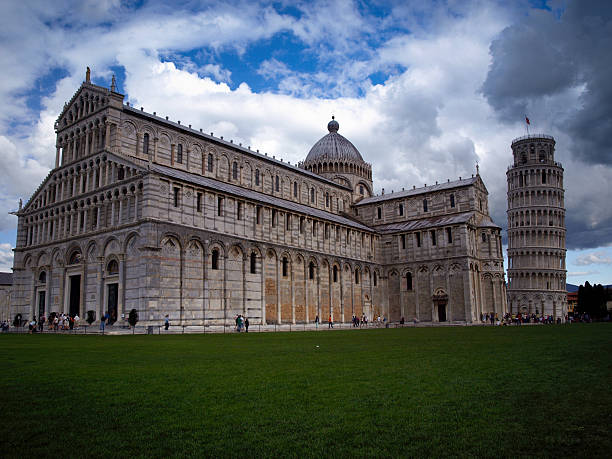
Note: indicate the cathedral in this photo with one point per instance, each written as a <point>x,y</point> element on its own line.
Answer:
<point>144,213</point>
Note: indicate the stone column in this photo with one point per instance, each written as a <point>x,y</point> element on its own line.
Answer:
<point>113,211</point>
<point>120,216</point>
<point>87,131</point>
<point>98,212</point>
<point>121,292</point>
<point>108,134</point>
<point>57,156</point>
<point>155,139</point>
<point>135,205</point>
<point>79,220</point>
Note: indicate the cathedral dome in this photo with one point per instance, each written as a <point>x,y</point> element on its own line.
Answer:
<point>333,147</point>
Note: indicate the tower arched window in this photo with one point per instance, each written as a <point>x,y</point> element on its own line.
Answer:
<point>311,269</point>
<point>424,205</point>
<point>145,144</point>
<point>257,177</point>
<point>408,281</point>
<point>253,263</point>
<point>235,170</point>
<point>285,266</point>
<point>210,162</point>
<point>335,275</point>
<point>295,189</point>
<point>179,153</point>
<point>312,195</point>
<point>276,183</point>
<point>42,277</point>
<point>401,209</point>
<point>356,276</point>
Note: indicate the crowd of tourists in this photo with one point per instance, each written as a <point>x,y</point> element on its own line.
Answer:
<point>54,322</point>
<point>520,319</point>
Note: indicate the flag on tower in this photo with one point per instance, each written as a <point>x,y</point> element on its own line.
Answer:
<point>527,120</point>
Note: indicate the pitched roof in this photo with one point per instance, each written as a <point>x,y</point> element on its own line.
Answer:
<point>425,223</point>
<point>417,191</point>
<point>257,196</point>
<point>248,151</point>
<point>6,278</point>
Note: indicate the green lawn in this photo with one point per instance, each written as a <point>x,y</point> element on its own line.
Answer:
<point>468,391</point>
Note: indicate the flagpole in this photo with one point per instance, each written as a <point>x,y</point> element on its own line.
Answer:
<point>527,125</point>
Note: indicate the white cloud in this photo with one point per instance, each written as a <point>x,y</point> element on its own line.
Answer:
<point>581,273</point>
<point>6,257</point>
<point>593,258</point>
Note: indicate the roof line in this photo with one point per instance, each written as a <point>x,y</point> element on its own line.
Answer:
<point>232,145</point>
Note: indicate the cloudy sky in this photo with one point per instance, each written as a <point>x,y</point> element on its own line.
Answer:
<point>424,89</point>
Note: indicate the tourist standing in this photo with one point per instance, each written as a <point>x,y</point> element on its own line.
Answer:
<point>330,323</point>
<point>166,322</point>
<point>246,325</point>
<point>317,321</point>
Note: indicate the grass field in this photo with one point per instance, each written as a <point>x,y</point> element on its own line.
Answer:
<point>468,391</point>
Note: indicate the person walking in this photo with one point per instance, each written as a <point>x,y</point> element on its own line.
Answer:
<point>331,323</point>
<point>102,323</point>
<point>317,321</point>
<point>166,322</point>
<point>246,325</point>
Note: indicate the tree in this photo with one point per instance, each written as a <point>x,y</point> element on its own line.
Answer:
<point>133,317</point>
<point>91,317</point>
<point>592,300</point>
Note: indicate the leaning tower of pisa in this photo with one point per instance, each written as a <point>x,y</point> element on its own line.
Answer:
<point>536,229</point>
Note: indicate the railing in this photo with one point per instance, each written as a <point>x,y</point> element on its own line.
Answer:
<point>533,136</point>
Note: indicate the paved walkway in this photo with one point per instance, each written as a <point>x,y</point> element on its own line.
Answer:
<point>199,329</point>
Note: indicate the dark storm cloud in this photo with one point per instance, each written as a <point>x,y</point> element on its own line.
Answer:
<point>541,57</point>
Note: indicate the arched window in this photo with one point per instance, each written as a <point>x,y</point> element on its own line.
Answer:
<point>311,270</point>
<point>215,259</point>
<point>401,209</point>
<point>253,263</point>
<point>295,189</point>
<point>42,277</point>
<point>452,200</point>
<point>145,144</point>
<point>379,212</point>
<point>179,153</point>
<point>356,276</point>
<point>235,170</point>
<point>335,274</point>
<point>375,279</point>
<point>257,177</point>
<point>285,266</point>
<point>210,162</point>
<point>312,195</point>
<point>326,199</point>
<point>424,205</point>
<point>361,190</point>
<point>276,184</point>
<point>408,281</point>
<point>484,237</point>
<point>112,268</point>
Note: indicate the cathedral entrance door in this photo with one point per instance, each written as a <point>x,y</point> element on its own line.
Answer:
<point>41,304</point>
<point>440,300</point>
<point>113,294</point>
<point>75,295</point>
<point>441,312</point>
